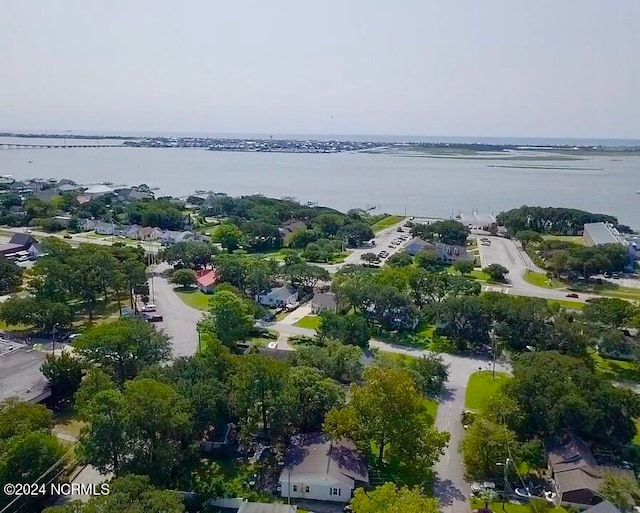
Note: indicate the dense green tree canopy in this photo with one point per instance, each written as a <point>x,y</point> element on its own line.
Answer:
<point>10,276</point>
<point>146,429</point>
<point>64,373</point>
<point>128,494</point>
<point>389,411</point>
<point>554,393</point>
<point>448,231</point>
<point>124,347</point>
<point>560,221</point>
<point>184,277</point>
<point>230,318</point>
<point>388,498</point>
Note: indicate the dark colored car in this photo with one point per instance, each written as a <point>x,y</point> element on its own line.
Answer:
<point>573,295</point>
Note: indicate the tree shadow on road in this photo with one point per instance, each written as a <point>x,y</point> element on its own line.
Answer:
<point>447,492</point>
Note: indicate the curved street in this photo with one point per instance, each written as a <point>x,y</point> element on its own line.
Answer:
<point>451,488</point>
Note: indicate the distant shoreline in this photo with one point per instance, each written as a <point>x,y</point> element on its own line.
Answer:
<point>314,145</point>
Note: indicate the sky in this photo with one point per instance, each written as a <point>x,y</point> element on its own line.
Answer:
<point>490,68</point>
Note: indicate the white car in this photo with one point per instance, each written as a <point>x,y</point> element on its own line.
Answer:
<point>148,308</point>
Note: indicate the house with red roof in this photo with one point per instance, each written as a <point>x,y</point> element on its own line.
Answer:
<point>207,280</point>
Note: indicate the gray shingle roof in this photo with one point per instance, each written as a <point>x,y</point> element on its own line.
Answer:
<point>315,453</point>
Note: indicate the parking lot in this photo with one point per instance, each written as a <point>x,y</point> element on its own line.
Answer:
<point>395,244</point>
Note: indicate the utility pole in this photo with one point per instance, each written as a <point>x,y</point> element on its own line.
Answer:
<point>53,339</point>
<point>494,347</point>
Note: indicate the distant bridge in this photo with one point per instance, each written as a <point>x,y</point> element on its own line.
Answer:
<point>14,146</point>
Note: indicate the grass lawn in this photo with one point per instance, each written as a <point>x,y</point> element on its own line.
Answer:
<point>386,223</point>
<point>476,274</point>
<point>636,439</point>
<point>195,298</point>
<point>617,370</point>
<point>67,424</point>
<point>479,275</point>
<point>18,327</point>
<point>481,386</point>
<point>541,280</point>
<point>311,322</point>
<point>576,239</point>
<point>509,507</point>
<point>572,305</point>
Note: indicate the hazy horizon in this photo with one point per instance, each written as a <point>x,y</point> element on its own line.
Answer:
<point>544,70</point>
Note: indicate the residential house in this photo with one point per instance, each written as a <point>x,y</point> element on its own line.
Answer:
<point>36,251</point>
<point>67,188</point>
<point>104,228</point>
<point>603,507</point>
<point>20,187</point>
<point>46,194</point>
<point>449,253</point>
<point>279,297</point>
<point>87,225</point>
<point>416,245</point>
<point>149,233</point>
<point>240,505</point>
<point>6,181</point>
<point>324,302</point>
<point>66,181</point>
<point>207,281</point>
<point>62,220</point>
<point>24,240</point>
<point>133,194</point>
<point>83,199</point>
<point>127,230</point>
<point>576,475</point>
<point>216,438</point>
<point>173,237</point>
<point>322,469</point>
<point>291,226</point>
<point>95,191</point>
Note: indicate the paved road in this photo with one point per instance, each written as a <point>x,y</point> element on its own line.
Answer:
<point>451,487</point>
<point>506,253</point>
<point>83,238</point>
<point>180,320</point>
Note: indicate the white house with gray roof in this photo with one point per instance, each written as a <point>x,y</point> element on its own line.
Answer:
<point>278,297</point>
<point>322,469</point>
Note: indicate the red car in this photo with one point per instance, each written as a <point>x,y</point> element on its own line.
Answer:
<point>573,295</point>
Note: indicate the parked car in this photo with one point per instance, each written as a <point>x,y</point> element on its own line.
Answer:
<point>573,295</point>
<point>615,276</point>
<point>153,317</point>
<point>148,308</point>
<point>477,487</point>
<point>73,336</point>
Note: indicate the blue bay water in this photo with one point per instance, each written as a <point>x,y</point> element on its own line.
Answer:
<point>419,185</point>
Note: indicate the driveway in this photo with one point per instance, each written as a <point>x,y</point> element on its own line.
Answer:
<point>297,314</point>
